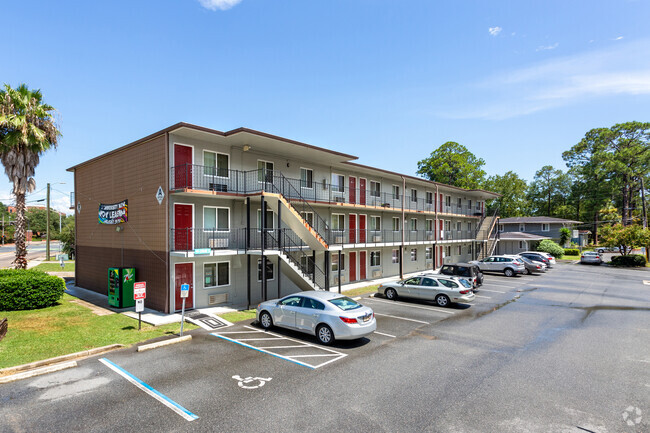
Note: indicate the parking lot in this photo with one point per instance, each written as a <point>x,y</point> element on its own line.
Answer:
<point>549,352</point>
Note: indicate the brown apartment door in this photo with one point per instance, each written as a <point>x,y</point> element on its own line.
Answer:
<point>362,191</point>
<point>362,229</point>
<point>353,189</point>
<point>183,227</point>
<point>362,265</point>
<point>182,166</point>
<point>352,227</point>
<point>353,266</point>
<point>184,274</point>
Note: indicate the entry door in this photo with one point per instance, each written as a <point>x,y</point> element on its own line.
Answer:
<point>352,227</point>
<point>353,189</point>
<point>182,166</point>
<point>362,191</point>
<point>183,227</point>
<point>353,266</point>
<point>184,274</point>
<point>442,232</point>
<point>362,265</point>
<point>362,229</point>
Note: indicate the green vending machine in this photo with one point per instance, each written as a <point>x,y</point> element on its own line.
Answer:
<point>120,287</point>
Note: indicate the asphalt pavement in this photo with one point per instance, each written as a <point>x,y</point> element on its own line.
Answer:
<point>566,351</point>
<point>35,251</point>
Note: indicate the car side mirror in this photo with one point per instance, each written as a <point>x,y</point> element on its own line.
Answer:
<point>279,304</point>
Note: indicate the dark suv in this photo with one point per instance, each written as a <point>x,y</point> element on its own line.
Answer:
<point>464,270</point>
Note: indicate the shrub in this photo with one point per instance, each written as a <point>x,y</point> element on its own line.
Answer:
<point>572,251</point>
<point>548,246</point>
<point>629,260</point>
<point>28,289</point>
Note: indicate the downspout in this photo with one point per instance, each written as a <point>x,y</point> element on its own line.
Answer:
<point>435,228</point>
<point>401,249</point>
<point>167,228</point>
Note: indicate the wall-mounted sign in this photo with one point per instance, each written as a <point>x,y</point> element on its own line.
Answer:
<point>160,195</point>
<point>113,213</point>
<point>198,251</point>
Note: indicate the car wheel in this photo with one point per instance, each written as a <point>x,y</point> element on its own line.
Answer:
<point>266,321</point>
<point>442,300</point>
<point>509,272</point>
<point>601,251</point>
<point>528,272</point>
<point>391,294</point>
<point>324,334</point>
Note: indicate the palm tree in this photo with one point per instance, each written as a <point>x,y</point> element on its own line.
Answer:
<point>27,129</point>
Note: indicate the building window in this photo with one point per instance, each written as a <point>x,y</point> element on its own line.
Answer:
<point>546,227</point>
<point>500,227</point>
<point>478,205</point>
<point>522,227</point>
<point>395,192</point>
<point>429,197</point>
<point>375,258</point>
<point>335,262</point>
<point>469,205</point>
<point>375,188</point>
<point>414,224</point>
<point>264,171</point>
<point>338,222</point>
<point>216,274</point>
<point>215,164</point>
<point>414,194</point>
<point>448,201</point>
<point>396,224</point>
<point>523,245</point>
<point>375,223</point>
<point>338,182</point>
<point>308,216</point>
<point>414,254</point>
<point>460,203</point>
<point>269,270</point>
<point>429,225</point>
<point>460,250</point>
<point>459,226</point>
<point>216,218</point>
<point>447,226</point>
<point>428,253</point>
<point>270,220</point>
<point>306,178</point>
<point>469,227</point>
<point>448,250</point>
<point>395,256</point>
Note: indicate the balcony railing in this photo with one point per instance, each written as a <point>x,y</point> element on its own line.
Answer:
<point>199,177</point>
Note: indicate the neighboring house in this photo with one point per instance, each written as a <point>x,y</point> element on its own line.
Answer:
<point>242,216</point>
<point>519,234</point>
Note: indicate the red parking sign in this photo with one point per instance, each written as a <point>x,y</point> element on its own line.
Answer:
<point>140,290</point>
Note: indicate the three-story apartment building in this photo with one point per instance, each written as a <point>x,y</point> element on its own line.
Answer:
<point>243,216</point>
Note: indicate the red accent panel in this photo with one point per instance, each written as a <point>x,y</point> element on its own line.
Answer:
<point>353,189</point>
<point>182,166</point>
<point>352,228</point>
<point>441,206</point>
<point>362,265</point>
<point>353,266</point>
<point>184,274</point>
<point>362,228</point>
<point>183,227</point>
<point>362,191</point>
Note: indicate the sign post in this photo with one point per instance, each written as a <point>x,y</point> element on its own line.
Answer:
<point>139,295</point>
<point>185,291</point>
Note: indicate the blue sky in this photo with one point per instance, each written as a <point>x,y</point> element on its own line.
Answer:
<point>516,82</point>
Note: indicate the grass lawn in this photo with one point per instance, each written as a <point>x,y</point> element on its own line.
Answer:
<point>361,290</point>
<point>67,328</point>
<point>238,316</point>
<point>568,257</point>
<point>55,267</point>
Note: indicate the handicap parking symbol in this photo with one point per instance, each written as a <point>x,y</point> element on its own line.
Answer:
<point>251,382</point>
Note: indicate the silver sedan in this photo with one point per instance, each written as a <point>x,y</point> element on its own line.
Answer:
<point>441,290</point>
<point>329,316</point>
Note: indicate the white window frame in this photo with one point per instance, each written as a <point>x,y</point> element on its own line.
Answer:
<point>548,227</point>
<point>376,254</point>
<point>460,250</point>
<point>341,188</point>
<point>414,254</point>
<point>399,225</point>
<point>265,169</point>
<point>523,245</point>
<point>340,217</point>
<point>304,215</point>
<point>259,219</point>
<point>413,226</point>
<point>448,250</point>
<point>395,256</point>
<point>216,168</point>
<point>414,195</point>
<point>522,227</point>
<point>259,274</point>
<point>501,228</point>
<point>428,253</point>
<point>396,190</point>
<point>429,197</point>
<point>216,218</point>
<point>335,263</point>
<point>216,274</point>
<point>372,190</point>
<point>428,225</point>
<point>312,178</point>
<point>377,226</point>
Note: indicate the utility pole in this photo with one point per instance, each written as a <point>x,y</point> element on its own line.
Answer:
<point>645,219</point>
<point>47,245</point>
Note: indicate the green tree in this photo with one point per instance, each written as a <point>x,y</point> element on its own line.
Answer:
<point>37,219</point>
<point>548,246</point>
<point>549,190</point>
<point>565,236</point>
<point>27,129</point>
<point>453,164</point>
<point>626,238</point>
<point>67,237</point>
<point>513,201</point>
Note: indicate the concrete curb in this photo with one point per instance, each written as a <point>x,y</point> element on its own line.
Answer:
<point>164,343</point>
<point>38,371</point>
<point>36,364</point>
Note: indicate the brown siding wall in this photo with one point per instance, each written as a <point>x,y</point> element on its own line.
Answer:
<point>134,174</point>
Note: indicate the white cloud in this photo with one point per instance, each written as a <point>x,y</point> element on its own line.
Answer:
<point>547,47</point>
<point>618,38</point>
<point>495,30</point>
<point>213,5</point>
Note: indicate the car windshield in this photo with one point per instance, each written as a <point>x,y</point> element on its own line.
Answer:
<point>464,282</point>
<point>345,303</point>
<point>464,271</point>
<point>448,283</point>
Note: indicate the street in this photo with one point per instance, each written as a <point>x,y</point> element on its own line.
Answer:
<point>35,251</point>
<point>565,351</point>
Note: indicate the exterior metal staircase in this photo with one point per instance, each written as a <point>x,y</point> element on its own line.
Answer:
<point>486,236</point>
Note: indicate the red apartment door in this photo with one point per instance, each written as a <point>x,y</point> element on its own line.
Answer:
<point>182,166</point>
<point>362,229</point>
<point>353,266</point>
<point>184,274</point>
<point>353,189</point>
<point>441,207</point>
<point>362,191</point>
<point>435,202</point>
<point>362,265</point>
<point>352,227</point>
<point>183,227</point>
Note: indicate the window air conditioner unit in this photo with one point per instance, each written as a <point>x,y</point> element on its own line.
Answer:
<point>218,187</point>
<point>336,280</point>
<point>376,274</point>
<point>376,238</point>
<point>339,199</point>
<point>218,243</point>
<point>429,236</point>
<point>217,299</point>
<point>338,239</point>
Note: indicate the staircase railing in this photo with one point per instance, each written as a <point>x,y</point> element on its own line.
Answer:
<point>484,249</point>
<point>293,248</point>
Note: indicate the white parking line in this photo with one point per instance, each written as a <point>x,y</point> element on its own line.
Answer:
<point>385,335</point>
<point>279,347</point>
<point>240,332</point>
<point>411,306</point>
<point>494,291</point>
<point>259,339</point>
<point>402,318</point>
<point>312,356</point>
<point>500,285</point>
<point>484,297</point>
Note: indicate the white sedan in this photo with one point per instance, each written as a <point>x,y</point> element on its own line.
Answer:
<point>441,290</point>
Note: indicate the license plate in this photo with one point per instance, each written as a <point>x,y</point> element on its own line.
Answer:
<point>366,318</point>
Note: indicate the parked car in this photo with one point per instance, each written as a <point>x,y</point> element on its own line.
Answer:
<point>539,257</point>
<point>591,257</point>
<point>329,316</point>
<point>549,256</point>
<point>432,287</point>
<point>608,249</point>
<point>466,270</point>
<point>533,266</point>
<point>509,265</point>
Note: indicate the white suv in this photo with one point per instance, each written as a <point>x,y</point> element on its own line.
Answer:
<point>509,265</point>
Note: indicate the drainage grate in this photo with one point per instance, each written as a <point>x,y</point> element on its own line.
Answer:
<point>206,321</point>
